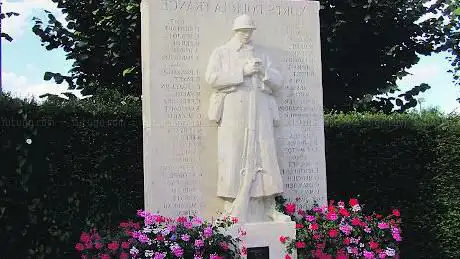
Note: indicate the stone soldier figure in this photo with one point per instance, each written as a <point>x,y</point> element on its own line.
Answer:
<point>244,79</point>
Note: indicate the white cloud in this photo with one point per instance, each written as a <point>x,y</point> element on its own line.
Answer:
<point>19,86</point>
<point>15,26</point>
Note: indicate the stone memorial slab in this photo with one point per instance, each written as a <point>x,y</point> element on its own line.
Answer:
<point>180,142</point>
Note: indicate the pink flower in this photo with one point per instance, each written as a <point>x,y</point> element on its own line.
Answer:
<point>105,256</point>
<point>113,246</point>
<point>290,208</point>
<point>310,218</point>
<point>332,216</point>
<point>383,225</point>
<point>287,256</point>
<point>346,229</point>
<point>215,256</point>
<point>188,225</point>
<point>80,247</point>
<point>396,213</point>
<point>397,237</point>
<point>298,226</point>
<point>197,221</point>
<point>143,238</point>
<point>341,204</point>
<point>368,254</point>
<point>207,233</point>
<point>124,255</point>
<point>85,237</point>
<point>185,237</point>
<point>99,245</point>
<point>88,245</point>
<point>159,255</point>
<point>234,220</point>
<point>199,243</point>
<point>178,251</point>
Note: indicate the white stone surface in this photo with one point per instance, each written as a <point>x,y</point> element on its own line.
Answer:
<point>267,234</point>
<point>180,143</point>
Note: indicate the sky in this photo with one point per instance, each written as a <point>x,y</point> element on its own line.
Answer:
<point>24,61</point>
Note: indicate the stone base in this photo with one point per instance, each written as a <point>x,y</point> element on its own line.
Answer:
<point>266,234</point>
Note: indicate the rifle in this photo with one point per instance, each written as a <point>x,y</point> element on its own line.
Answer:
<point>240,205</point>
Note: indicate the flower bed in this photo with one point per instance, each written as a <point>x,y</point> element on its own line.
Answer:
<point>334,231</point>
<point>343,231</point>
<point>159,237</point>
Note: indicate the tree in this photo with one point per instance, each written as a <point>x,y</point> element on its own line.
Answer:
<point>367,46</point>
<point>447,37</point>
<point>3,16</point>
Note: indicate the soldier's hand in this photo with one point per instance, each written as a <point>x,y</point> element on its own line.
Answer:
<point>250,68</point>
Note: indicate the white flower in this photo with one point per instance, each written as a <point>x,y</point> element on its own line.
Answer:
<point>148,253</point>
<point>356,208</point>
<point>361,245</point>
<point>29,141</point>
<point>134,251</point>
<point>147,229</point>
<point>390,251</point>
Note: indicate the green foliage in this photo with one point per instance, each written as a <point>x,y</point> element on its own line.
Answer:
<point>447,35</point>
<point>69,165</point>
<point>366,47</point>
<point>3,16</point>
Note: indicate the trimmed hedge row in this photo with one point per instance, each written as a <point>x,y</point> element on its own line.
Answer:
<point>67,166</point>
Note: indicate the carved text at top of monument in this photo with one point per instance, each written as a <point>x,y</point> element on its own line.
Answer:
<point>234,7</point>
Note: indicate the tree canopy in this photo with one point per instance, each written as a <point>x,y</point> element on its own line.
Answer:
<point>366,47</point>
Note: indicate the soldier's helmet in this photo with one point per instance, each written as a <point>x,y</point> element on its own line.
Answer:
<point>243,22</point>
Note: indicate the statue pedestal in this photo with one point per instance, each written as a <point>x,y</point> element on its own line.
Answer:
<point>262,239</point>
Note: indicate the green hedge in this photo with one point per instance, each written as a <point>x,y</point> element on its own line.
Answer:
<point>78,164</point>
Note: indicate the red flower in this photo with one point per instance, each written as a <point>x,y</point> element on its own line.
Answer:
<point>331,208</point>
<point>224,246</point>
<point>373,245</point>
<point>344,212</point>
<point>160,238</point>
<point>80,247</point>
<point>314,226</point>
<point>356,222</point>
<point>290,208</point>
<point>181,219</point>
<point>125,245</point>
<point>333,232</point>
<point>98,245</point>
<point>396,212</point>
<point>283,239</point>
<point>124,224</point>
<point>300,244</point>
<point>301,213</point>
<point>346,241</point>
<point>124,255</point>
<point>316,236</point>
<point>287,256</point>
<point>353,202</point>
<point>85,237</point>
<point>105,256</point>
<point>113,246</point>
<point>298,226</point>
<point>88,245</point>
